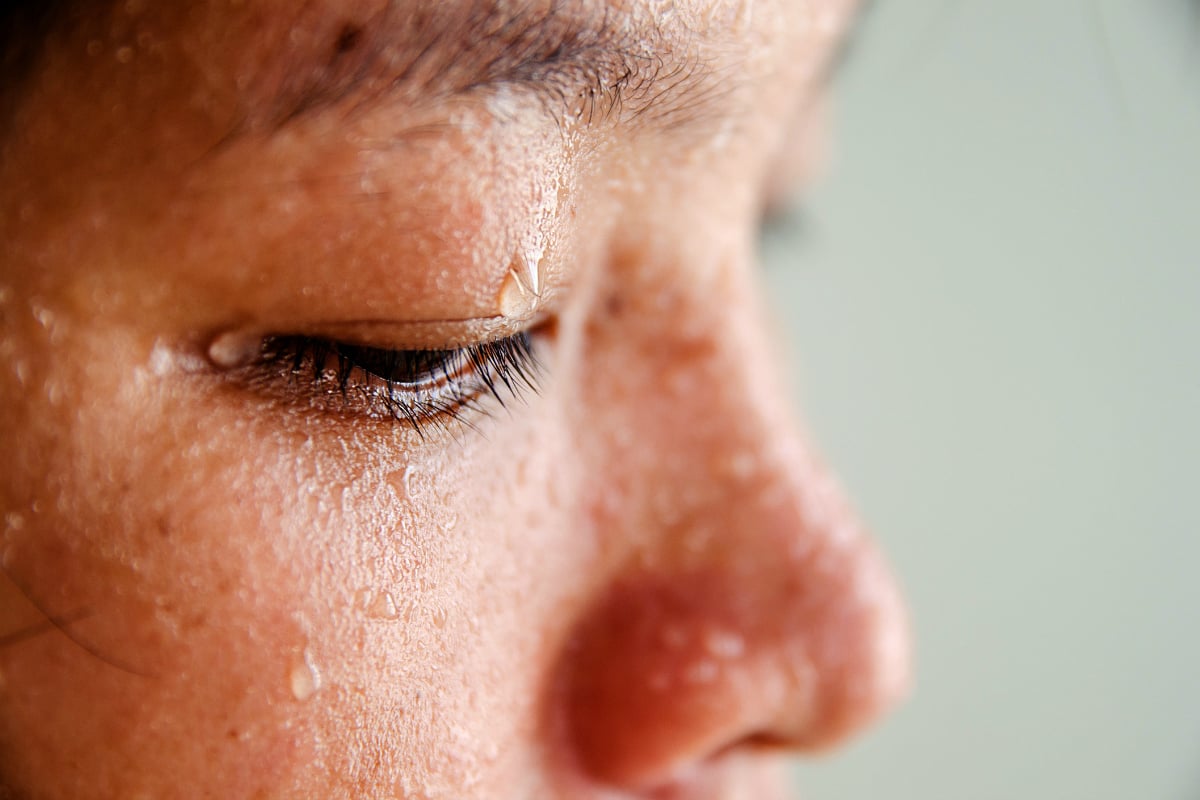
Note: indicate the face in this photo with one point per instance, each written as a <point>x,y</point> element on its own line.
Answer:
<point>388,409</point>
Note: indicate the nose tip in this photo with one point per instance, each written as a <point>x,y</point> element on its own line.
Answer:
<point>790,635</point>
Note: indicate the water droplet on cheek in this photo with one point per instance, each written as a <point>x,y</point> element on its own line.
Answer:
<point>305,678</point>
<point>382,606</point>
<point>44,316</point>
<point>409,480</point>
<point>440,617</point>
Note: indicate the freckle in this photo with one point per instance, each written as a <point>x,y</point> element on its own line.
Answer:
<point>347,40</point>
<point>125,55</point>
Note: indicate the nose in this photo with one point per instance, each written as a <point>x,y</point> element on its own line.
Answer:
<point>742,605</point>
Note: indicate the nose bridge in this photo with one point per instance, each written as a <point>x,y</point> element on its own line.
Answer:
<point>745,602</point>
<point>697,426</point>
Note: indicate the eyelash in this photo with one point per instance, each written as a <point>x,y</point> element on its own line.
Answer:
<point>415,387</point>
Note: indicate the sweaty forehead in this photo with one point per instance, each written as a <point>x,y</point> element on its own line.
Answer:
<point>376,49</point>
<point>285,59</point>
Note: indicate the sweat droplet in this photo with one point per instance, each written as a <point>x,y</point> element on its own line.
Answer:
<point>305,678</point>
<point>231,350</point>
<point>382,606</point>
<point>517,298</point>
<point>724,644</point>
<point>702,671</point>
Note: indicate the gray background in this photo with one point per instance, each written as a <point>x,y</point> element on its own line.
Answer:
<point>993,307</point>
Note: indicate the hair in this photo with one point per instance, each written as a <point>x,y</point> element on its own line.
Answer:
<point>25,25</point>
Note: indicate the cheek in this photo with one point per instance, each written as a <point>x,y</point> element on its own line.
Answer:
<point>246,595</point>
<point>173,633</point>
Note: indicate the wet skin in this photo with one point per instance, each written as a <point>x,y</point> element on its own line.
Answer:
<point>225,577</point>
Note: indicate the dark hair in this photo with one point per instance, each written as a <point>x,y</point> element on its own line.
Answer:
<point>24,27</point>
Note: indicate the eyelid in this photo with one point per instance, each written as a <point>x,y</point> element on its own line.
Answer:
<point>236,346</point>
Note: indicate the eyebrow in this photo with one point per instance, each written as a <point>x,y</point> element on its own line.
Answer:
<point>579,59</point>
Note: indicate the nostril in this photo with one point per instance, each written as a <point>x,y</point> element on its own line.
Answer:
<point>669,670</point>
<point>754,743</point>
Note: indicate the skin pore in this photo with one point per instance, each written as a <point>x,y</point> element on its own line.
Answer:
<point>259,541</point>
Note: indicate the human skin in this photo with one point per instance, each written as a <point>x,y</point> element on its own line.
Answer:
<point>224,581</point>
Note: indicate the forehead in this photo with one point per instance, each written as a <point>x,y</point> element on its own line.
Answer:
<point>285,57</point>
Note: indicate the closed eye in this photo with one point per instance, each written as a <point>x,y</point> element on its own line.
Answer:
<point>414,387</point>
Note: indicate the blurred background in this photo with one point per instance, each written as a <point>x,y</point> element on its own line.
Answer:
<point>993,299</point>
